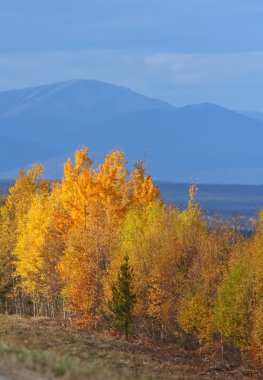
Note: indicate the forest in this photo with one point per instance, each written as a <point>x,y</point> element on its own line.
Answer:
<point>101,250</point>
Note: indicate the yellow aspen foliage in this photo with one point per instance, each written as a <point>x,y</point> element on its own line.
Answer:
<point>144,193</point>
<point>89,193</point>
<point>77,190</point>
<point>254,253</point>
<point>75,243</point>
<point>14,211</point>
<point>194,314</point>
<point>110,181</point>
<point>21,193</point>
<point>204,262</point>
<point>7,242</point>
<point>148,238</point>
<point>94,201</point>
<point>233,311</point>
<point>35,261</point>
<point>80,273</point>
<point>191,232</point>
<point>83,266</point>
<point>29,262</point>
<point>257,333</point>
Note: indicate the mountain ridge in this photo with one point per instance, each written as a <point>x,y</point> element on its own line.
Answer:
<point>40,93</point>
<point>203,141</point>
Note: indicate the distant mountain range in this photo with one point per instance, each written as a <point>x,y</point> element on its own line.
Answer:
<point>205,142</point>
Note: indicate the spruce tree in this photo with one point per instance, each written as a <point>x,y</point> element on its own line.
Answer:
<point>123,300</point>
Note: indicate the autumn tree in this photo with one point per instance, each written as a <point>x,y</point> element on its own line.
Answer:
<point>94,202</point>
<point>77,191</point>
<point>39,249</point>
<point>205,275</point>
<point>148,237</point>
<point>143,191</point>
<point>13,214</point>
<point>233,312</point>
<point>254,257</point>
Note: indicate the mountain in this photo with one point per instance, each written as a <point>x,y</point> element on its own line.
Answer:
<point>17,153</point>
<point>49,112</point>
<point>203,141</point>
<point>253,114</point>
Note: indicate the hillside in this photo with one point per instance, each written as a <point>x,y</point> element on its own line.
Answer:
<point>41,348</point>
<point>17,153</point>
<point>205,142</point>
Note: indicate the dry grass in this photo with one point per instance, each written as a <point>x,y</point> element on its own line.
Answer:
<point>41,349</point>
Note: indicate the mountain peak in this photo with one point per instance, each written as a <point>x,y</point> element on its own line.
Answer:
<point>76,94</point>
<point>205,106</point>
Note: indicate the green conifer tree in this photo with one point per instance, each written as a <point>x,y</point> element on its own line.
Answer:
<point>123,300</point>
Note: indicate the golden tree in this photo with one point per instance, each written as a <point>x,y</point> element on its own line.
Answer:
<point>13,214</point>
<point>39,248</point>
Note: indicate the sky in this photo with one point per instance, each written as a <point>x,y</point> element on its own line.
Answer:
<point>182,51</point>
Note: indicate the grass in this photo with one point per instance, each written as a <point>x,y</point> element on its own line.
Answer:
<point>41,349</point>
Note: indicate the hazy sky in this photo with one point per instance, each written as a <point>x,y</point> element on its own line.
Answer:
<point>183,51</point>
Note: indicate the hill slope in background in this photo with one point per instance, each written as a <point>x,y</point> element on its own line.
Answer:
<point>204,141</point>
<point>17,153</point>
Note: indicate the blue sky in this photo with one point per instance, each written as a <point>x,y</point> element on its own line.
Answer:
<point>183,51</point>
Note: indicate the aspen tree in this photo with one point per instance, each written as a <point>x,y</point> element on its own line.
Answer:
<point>39,248</point>
<point>13,214</point>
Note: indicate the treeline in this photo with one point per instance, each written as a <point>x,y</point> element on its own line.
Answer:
<point>102,250</point>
